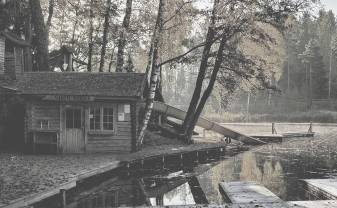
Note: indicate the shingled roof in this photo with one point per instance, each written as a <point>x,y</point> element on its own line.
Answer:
<point>82,83</point>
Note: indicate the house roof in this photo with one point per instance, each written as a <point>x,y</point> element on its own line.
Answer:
<point>82,83</point>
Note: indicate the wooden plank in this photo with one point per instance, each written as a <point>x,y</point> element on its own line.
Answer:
<point>299,134</point>
<point>33,198</point>
<point>313,204</point>
<point>269,138</point>
<point>322,187</point>
<point>206,124</point>
<point>247,192</point>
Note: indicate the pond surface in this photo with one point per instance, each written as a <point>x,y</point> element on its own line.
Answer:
<point>279,167</point>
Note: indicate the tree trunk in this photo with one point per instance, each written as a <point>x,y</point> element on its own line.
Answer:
<point>207,92</point>
<point>91,31</point>
<point>156,40</point>
<point>105,35</point>
<point>201,76</point>
<point>122,36</point>
<point>330,73</point>
<point>41,36</point>
<point>50,14</point>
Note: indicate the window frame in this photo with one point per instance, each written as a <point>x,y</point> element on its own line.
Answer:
<point>123,106</point>
<point>101,122</point>
<point>41,122</point>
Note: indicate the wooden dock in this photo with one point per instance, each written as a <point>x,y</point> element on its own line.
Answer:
<point>298,134</point>
<point>314,204</point>
<point>247,192</point>
<point>269,138</point>
<point>321,188</point>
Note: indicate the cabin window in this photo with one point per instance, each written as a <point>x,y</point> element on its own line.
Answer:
<point>124,112</point>
<point>95,118</point>
<point>101,118</point>
<point>73,119</point>
<point>108,118</point>
<point>43,124</point>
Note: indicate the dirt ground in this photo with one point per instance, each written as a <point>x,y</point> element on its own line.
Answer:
<point>21,175</point>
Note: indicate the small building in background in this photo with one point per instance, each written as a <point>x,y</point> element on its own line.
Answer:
<point>64,60</point>
<point>67,112</point>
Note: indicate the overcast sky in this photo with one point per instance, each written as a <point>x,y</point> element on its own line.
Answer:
<point>330,5</point>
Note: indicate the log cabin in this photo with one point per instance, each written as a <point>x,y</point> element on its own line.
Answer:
<point>71,112</point>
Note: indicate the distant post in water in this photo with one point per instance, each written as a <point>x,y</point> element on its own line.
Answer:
<point>273,129</point>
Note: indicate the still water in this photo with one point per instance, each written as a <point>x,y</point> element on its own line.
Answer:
<point>279,167</point>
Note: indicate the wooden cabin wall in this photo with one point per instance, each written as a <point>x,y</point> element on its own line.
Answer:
<point>43,111</point>
<point>19,62</point>
<point>10,64</point>
<point>119,141</point>
<point>2,55</point>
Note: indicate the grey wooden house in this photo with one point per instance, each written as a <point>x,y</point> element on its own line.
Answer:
<point>75,112</point>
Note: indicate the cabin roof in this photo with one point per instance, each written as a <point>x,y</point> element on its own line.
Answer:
<point>82,83</point>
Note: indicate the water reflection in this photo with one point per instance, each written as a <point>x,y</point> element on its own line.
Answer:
<point>278,167</point>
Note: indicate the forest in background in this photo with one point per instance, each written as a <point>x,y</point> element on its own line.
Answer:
<point>110,36</point>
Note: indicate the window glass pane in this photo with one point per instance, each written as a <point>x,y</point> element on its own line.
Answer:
<point>43,124</point>
<point>95,119</point>
<point>108,118</point>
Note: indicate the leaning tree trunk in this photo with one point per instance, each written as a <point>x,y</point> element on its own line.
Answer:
<point>201,76</point>
<point>91,31</point>
<point>105,35</point>
<point>155,72</point>
<point>41,36</point>
<point>208,91</point>
<point>122,36</point>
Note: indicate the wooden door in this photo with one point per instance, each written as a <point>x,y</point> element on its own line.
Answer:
<point>74,134</point>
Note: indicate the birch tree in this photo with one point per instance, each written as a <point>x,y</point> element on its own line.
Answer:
<point>154,60</point>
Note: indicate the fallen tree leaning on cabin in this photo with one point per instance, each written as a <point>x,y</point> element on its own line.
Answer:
<point>155,70</point>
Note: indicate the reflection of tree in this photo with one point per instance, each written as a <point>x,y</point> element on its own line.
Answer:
<point>268,175</point>
<point>209,181</point>
<point>181,195</point>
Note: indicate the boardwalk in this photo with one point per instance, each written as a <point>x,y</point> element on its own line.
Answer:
<point>247,192</point>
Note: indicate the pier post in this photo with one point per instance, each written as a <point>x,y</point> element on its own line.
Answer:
<point>163,161</point>
<point>128,169</point>
<point>310,130</point>
<point>142,164</point>
<point>273,129</point>
<point>63,198</point>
